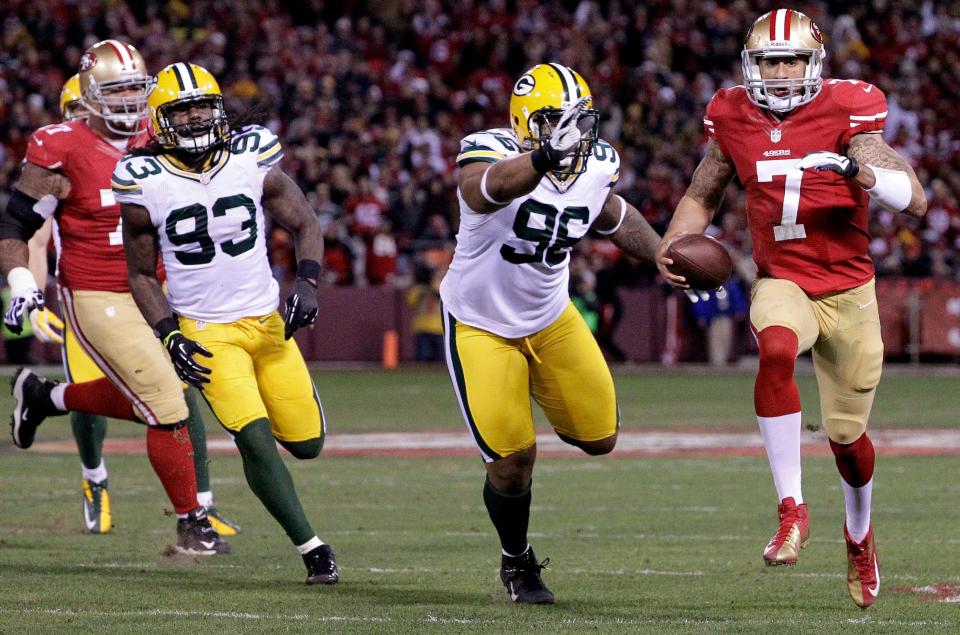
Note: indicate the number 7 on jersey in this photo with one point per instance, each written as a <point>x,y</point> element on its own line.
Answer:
<point>788,229</point>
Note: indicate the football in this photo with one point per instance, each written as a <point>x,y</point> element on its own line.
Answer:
<point>701,259</point>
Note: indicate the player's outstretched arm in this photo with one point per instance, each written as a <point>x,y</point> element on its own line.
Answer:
<point>487,188</point>
<point>881,165</point>
<point>626,228</point>
<point>697,207</point>
<point>140,244</point>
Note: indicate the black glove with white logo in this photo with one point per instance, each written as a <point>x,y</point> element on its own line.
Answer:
<point>182,349</point>
<point>301,307</point>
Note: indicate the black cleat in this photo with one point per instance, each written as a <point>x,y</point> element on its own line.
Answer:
<point>31,397</point>
<point>321,566</point>
<point>196,537</point>
<point>521,576</point>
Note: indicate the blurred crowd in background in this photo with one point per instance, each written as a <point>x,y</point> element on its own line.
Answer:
<point>371,99</point>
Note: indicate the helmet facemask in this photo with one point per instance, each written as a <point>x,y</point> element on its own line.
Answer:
<point>541,125</point>
<point>801,90</point>
<point>122,104</point>
<point>196,136</point>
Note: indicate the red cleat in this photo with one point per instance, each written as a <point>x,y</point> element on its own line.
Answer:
<point>863,569</point>
<point>791,536</point>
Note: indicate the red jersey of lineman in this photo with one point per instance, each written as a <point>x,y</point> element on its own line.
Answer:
<point>808,227</point>
<point>88,220</point>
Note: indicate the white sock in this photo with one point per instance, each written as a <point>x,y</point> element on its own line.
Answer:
<point>205,499</point>
<point>857,501</point>
<point>781,438</point>
<point>510,555</point>
<point>309,545</point>
<point>97,474</point>
<point>56,396</point>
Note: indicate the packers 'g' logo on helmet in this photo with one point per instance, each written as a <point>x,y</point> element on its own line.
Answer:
<point>114,84</point>
<point>783,33</point>
<point>539,96</point>
<point>70,106</point>
<point>186,108</point>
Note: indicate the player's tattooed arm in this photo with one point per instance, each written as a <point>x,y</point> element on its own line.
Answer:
<point>870,150</point>
<point>630,230</point>
<point>711,178</point>
<point>37,182</point>
<point>507,179</point>
<point>140,244</point>
<point>34,183</point>
<point>697,206</point>
<point>284,200</point>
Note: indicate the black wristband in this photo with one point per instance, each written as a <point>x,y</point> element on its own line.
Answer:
<point>541,161</point>
<point>309,270</point>
<point>165,327</point>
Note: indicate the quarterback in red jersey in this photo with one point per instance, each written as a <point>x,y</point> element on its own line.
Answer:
<point>67,175</point>
<point>810,155</point>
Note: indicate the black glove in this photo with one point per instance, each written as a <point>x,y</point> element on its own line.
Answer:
<point>847,167</point>
<point>21,305</point>
<point>301,307</point>
<point>181,349</point>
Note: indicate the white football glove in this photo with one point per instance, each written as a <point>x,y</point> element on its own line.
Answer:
<point>47,327</point>
<point>24,297</point>
<point>820,161</point>
<point>566,135</point>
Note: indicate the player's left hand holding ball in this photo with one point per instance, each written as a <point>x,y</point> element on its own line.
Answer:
<point>301,306</point>
<point>846,167</point>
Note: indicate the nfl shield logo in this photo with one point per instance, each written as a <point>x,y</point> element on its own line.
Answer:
<point>775,136</point>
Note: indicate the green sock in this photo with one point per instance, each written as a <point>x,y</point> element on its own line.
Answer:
<point>270,480</point>
<point>89,432</point>
<point>510,514</point>
<point>198,437</point>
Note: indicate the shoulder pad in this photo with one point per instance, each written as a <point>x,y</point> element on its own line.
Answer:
<point>260,142</point>
<point>487,146</point>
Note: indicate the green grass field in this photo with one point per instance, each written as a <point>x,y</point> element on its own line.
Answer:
<point>658,545</point>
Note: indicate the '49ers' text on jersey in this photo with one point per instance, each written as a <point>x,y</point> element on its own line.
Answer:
<point>808,227</point>
<point>509,273</point>
<point>88,220</point>
<point>210,226</point>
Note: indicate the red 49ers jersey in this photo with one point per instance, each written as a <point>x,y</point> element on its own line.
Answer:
<point>88,220</point>
<point>808,227</point>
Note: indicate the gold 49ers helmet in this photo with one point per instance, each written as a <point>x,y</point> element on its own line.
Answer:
<point>783,33</point>
<point>538,99</point>
<point>186,107</point>
<point>114,84</point>
<point>70,106</point>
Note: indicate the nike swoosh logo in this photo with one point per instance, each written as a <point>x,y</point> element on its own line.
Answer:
<point>863,306</point>
<point>868,88</point>
<point>876,574</point>
<point>208,545</point>
<point>513,595</point>
<point>91,522</point>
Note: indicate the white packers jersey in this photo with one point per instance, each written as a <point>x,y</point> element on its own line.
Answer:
<point>210,227</point>
<point>509,273</point>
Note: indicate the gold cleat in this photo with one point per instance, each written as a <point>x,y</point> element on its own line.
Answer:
<point>223,526</point>
<point>791,536</point>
